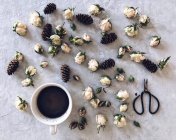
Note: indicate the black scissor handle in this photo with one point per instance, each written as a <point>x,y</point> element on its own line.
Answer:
<point>142,104</point>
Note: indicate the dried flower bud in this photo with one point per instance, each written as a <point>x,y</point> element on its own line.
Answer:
<point>19,56</point>
<point>82,111</point>
<point>101,121</point>
<point>53,50</point>
<point>65,48</point>
<point>31,71</point>
<point>20,28</point>
<point>88,93</point>
<point>119,120</point>
<point>69,13</point>
<point>137,56</point>
<point>83,121</point>
<point>61,31</point>
<point>98,90</point>
<point>105,25</point>
<point>155,41</point>
<point>120,77</point>
<point>130,12</point>
<point>131,79</point>
<point>81,126</point>
<point>122,95</point>
<point>27,82</point>
<point>38,48</point>
<point>95,9</point>
<point>105,80</point>
<point>86,38</point>
<point>73,125</point>
<point>44,64</point>
<point>131,30</point>
<point>55,40</point>
<point>80,57</point>
<point>123,107</point>
<point>94,102</point>
<point>76,40</point>
<point>93,65</point>
<point>162,64</point>
<point>36,19</point>
<point>21,104</point>
<point>144,20</point>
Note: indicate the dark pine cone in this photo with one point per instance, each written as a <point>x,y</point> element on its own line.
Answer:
<point>65,72</point>
<point>73,125</point>
<point>50,8</point>
<point>47,31</point>
<point>84,19</point>
<point>149,65</point>
<point>107,64</point>
<point>108,38</point>
<point>12,67</point>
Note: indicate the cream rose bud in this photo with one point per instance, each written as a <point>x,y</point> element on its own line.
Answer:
<point>105,25</point>
<point>155,41</point>
<point>144,20</point>
<point>122,95</point>
<point>101,119</point>
<point>130,12</point>
<point>36,19</point>
<point>20,28</point>
<point>55,40</point>
<point>31,71</point>
<point>80,57</point>
<point>69,14</point>
<point>44,64</point>
<point>93,65</point>
<point>105,81</point>
<point>19,56</point>
<point>27,82</point>
<point>120,120</point>
<point>21,104</point>
<point>61,31</point>
<point>94,102</point>
<point>86,38</point>
<point>120,77</point>
<point>123,107</point>
<point>88,93</point>
<point>65,48</point>
<point>95,9</point>
<point>131,30</point>
<point>38,48</point>
<point>137,56</point>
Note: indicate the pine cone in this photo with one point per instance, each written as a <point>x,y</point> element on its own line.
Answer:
<point>107,64</point>
<point>50,8</point>
<point>47,31</point>
<point>108,38</point>
<point>12,67</point>
<point>65,72</point>
<point>84,19</point>
<point>149,65</point>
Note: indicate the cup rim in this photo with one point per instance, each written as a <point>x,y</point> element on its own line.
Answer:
<point>43,119</point>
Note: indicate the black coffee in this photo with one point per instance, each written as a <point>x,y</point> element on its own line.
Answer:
<point>52,102</point>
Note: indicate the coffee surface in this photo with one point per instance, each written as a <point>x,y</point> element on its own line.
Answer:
<point>52,102</point>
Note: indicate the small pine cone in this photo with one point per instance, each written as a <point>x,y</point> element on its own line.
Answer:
<point>108,38</point>
<point>50,8</point>
<point>47,31</point>
<point>104,104</point>
<point>107,64</point>
<point>149,65</point>
<point>12,67</point>
<point>65,72</point>
<point>84,19</point>
<point>73,125</point>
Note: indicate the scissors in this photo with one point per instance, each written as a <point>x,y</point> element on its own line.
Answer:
<point>142,102</point>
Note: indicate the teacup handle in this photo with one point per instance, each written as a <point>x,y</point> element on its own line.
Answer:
<point>53,129</point>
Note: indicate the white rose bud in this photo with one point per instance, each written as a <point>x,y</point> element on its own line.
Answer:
<point>120,120</point>
<point>120,77</point>
<point>55,40</point>
<point>27,82</point>
<point>19,56</point>
<point>131,30</point>
<point>144,20</point>
<point>86,38</point>
<point>65,48</point>
<point>69,14</point>
<point>21,104</point>
<point>93,65</point>
<point>94,102</point>
<point>76,40</point>
<point>155,41</point>
<point>137,57</point>
<point>44,64</point>
<point>38,48</point>
<point>101,119</point>
<point>31,71</point>
<point>80,57</point>
<point>20,28</point>
<point>105,81</point>
<point>123,107</point>
<point>130,12</point>
<point>88,93</point>
<point>61,31</point>
<point>122,95</point>
<point>36,19</point>
<point>105,25</point>
<point>95,9</point>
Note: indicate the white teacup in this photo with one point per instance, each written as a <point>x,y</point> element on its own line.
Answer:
<point>52,122</point>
